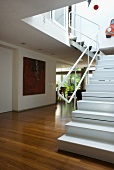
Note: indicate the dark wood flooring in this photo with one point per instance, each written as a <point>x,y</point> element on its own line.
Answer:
<point>28,141</point>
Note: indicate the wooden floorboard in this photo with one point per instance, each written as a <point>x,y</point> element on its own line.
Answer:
<point>28,141</point>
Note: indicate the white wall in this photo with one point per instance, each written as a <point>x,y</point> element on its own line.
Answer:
<point>32,101</point>
<point>102,16</point>
<point>15,68</point>
<point>5,79</point>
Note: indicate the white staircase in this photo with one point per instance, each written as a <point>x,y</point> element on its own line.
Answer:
<point>91,131</point>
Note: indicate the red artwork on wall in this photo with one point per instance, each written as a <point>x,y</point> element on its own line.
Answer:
<point>110,30</point>
<point>33,76</point>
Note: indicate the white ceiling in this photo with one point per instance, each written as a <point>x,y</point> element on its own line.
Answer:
<point>13,30</point>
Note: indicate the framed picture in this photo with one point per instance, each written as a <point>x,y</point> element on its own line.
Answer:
<point>33,76</point>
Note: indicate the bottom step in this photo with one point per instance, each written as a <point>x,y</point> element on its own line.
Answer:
<point>87,147</point>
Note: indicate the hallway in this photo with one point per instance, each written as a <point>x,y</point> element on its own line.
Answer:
<point>28,141</point>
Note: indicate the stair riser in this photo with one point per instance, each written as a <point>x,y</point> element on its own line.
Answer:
<point>105,62</point>
<point>104,67</point>
<point>89,133</point>
<point>101,82</point>
<point>106,57</point>
<point>95,119</point>
<point>98,99</point>
<point>103,73</point>
<point>100,107</point>
<point>87,151</point>
<point>100,88</point>
<point>102,78</point>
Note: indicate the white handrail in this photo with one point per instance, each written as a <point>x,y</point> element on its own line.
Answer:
<point>80,31</point>
<point>84,18</point>
<point>74,66</point>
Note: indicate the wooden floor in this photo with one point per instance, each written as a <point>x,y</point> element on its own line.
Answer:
<point>28,141</point>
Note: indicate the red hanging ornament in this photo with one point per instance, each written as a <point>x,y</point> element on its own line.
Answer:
<point>96,7</point>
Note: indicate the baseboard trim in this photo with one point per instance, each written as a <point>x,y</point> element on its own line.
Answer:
<point>33,108</point>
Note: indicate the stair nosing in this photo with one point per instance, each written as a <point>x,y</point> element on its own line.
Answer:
<point>90,127</point>
<point>85,142</point>
<point>94,112</point>
<point>86,101</point>
<point>99,92</point>
<point>99,84</point>
<point>106,60</point>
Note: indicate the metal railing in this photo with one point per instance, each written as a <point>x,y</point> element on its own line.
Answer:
<point>79,30</point>
<point>81,56</point>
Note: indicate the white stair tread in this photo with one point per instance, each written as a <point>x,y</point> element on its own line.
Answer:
<point>104,66</point>
<point>110,59</point>
<point>101,81</point>
<point>107,59</point>
<point>107,67</point>
<point>105,70</point>
<point>110,81</point>
<point>88,142</point>
<point>98,94</point>
<point>104,87</point>
<point>105,62</point>
<point>93,113</point>
<point>103,78</point>
<point>104,56</point>
<point>100,102</point>
<point>91,126</point>
<point>100,85</point>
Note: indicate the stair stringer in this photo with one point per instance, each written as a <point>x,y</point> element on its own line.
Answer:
<point>81,48</point>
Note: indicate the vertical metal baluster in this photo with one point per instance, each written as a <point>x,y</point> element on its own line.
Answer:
<point>88,69</point>
<point>75,93</point>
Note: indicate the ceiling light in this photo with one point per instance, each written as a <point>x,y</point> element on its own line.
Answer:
<point>23,43</point>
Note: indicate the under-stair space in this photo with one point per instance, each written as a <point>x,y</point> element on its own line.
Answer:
<point>91,131</point>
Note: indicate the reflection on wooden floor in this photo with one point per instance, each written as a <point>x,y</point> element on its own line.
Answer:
<point>28,141</point>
